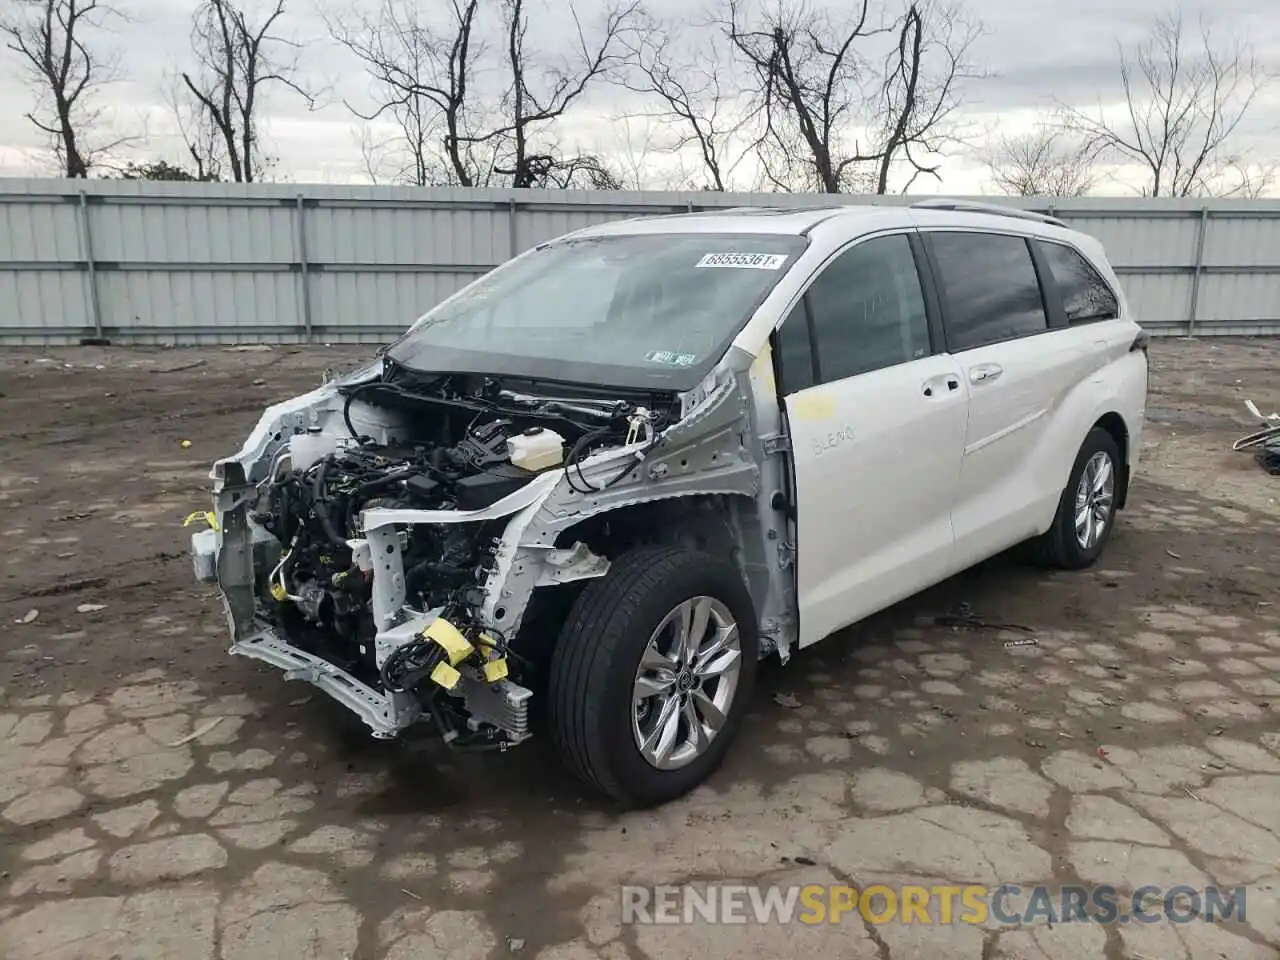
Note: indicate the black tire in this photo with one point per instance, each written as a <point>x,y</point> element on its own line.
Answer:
<point>1058,546</point>
<point>594,665</point>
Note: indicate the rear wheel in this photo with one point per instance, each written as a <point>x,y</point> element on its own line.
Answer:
<point>1087,510</point>
<point>652,674</point>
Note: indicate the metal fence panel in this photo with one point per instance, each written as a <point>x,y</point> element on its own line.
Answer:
<point>139,262</point>
<point>156,300</point>
<point>1234,241</point>
<point>372,301</point>
<point>1134,240</point>
<point>33,300</point>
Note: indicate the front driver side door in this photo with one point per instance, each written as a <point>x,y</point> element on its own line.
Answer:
<point>876,416</point>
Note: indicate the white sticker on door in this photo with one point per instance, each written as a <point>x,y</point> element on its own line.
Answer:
<point>744,261</point>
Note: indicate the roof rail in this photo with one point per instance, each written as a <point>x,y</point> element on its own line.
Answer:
<point>994,209</point>
<point>776,209</point>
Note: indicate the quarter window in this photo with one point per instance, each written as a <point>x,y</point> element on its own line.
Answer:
<point>1085,295</point>
<point>795,357</point>
<point>989,288</point>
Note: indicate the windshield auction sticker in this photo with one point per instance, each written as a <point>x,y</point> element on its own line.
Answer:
<point>671,358</point>
<point>746,261</point>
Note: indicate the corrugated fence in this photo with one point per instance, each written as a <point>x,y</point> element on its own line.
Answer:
<point>137,262</point>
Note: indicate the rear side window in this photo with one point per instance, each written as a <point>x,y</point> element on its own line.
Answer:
<point>989,287</point>
<point>1085,295</point>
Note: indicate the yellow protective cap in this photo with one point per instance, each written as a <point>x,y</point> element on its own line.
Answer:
<point>279,592</point>
<point>445,676</point>
<point>208,516</point>
<point>449,638</point>
<point>495,670</point>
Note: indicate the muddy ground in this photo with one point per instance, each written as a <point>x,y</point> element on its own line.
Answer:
<point>1136,741</point>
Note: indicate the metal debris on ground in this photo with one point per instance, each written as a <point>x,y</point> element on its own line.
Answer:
<point>1176,556</point>
<point>198,732</point>
<point>965,617</point>
<point>786,700</point>
<point>1028,642</point>
<point>1265,442</point>
<point>182,366</point>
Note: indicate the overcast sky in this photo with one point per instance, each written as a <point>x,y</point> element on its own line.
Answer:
<point>1037,50</point>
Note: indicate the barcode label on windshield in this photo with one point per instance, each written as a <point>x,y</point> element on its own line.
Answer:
<point>745,261</point>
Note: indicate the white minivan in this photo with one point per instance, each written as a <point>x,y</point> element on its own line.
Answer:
<point>611,475</point>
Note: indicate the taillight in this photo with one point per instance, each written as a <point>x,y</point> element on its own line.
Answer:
<point>1140,342</point>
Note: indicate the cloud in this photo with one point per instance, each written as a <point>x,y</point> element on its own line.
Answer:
<point>1038,52</point>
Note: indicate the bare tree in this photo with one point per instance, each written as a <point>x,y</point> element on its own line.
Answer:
<point>693,89</point>
<point>422,79</point>
<point>1047,162</point>
<point>1184,102</point>
<point>583,171</point>
<point>238,59</point>
<point>50,38</point>
<point>1246,181</point>
<point>920,91</point>
<point>200,136</point>
<point>160,170</point>
<point>537,98</point>
<point>859,93</point>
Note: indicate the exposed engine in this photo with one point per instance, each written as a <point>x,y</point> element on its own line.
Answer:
<point>457,443</point>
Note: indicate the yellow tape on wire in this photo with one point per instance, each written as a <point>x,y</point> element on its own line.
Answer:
<point>449,638</point>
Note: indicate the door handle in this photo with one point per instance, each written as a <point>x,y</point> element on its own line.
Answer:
<point>985,372</point>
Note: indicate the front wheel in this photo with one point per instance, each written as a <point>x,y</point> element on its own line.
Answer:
<point>652,674</point>
<point>1087,510</point>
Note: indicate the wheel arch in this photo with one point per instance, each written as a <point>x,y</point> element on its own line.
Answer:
<point>710,522</point>
<point>700,521</point>
<point>1113,423</point>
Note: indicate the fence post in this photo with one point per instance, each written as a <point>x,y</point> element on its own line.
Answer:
<point>512,225</point>
<point>1194,307</point>
<point>86,245</point>
<point>300,227</point>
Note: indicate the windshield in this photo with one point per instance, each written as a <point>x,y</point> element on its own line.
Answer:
<point>632,311</point>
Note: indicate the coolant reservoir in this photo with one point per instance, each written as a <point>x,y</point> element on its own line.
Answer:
<point>306,448</point>
<point>536,449</point>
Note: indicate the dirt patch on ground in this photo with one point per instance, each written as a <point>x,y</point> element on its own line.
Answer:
<point>1135,740</point>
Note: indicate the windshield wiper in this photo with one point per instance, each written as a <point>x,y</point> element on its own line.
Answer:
<point>603,409</point>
